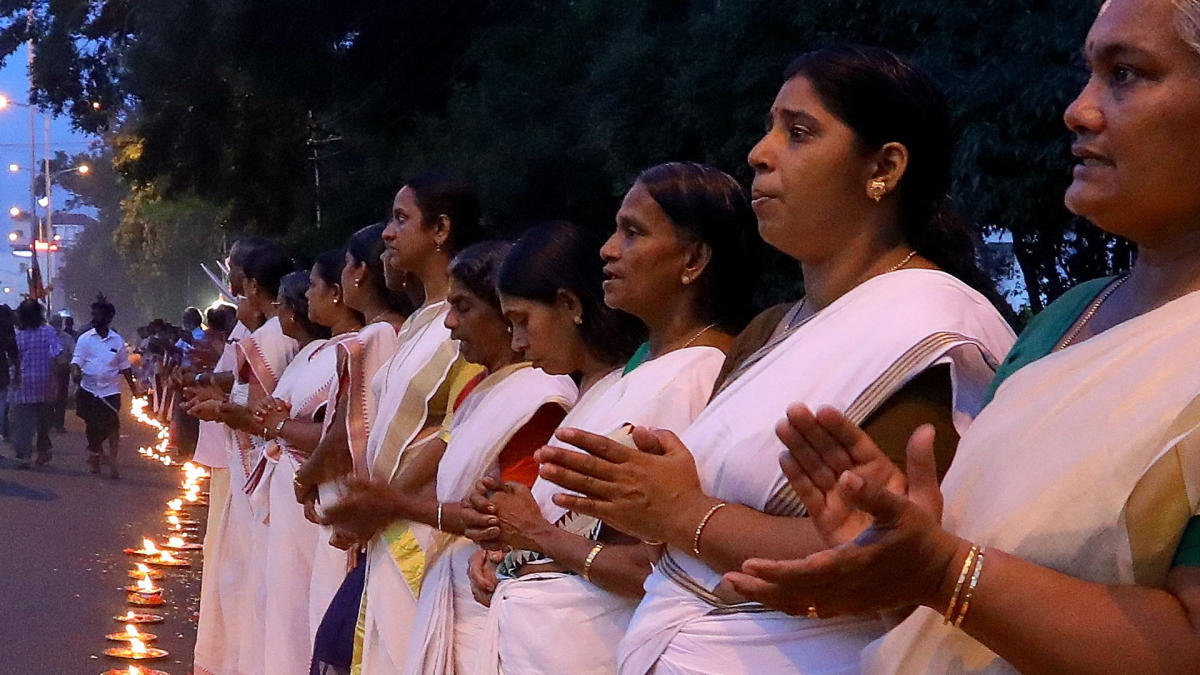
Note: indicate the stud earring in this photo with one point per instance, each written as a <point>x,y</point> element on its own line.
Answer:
<point>579,321</point>
<point>686,280</point>
<point>876,189</point>
<point>357,283</point>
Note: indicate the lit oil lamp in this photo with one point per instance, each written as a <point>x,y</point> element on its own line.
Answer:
<point>136,650</point>
<point>133,670</point>
<point>144,593</point>
<point>165,559</point>
<point>145,587</point>
<point>131,632</point>
<point>178,544</point>
<point>148,549</point>
<point>143,572</point>
<point>138,617</point>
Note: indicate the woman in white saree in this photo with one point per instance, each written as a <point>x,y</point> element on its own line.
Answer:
<point>433,216</point>
<point>1069,537</point>
<point>849,180</point>
<point>352,404</point>
<point>293,419</point>
<point>503,415</point>
<point>261,360</point>
<point>678,261</point>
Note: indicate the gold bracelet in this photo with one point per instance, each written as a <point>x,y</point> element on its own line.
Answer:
<point>439,522</point>
<point>948,615</point>
<point>591,558</point>
<point>966,603</point>
<point>700,527</point>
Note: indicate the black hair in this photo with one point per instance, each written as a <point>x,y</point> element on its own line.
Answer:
<point>244,246</point>
<point>707,205</point>
<point>443,194</point>
<point>193,314</point>
<point>266,266</point>
<point>218,319</point>
<point>101,303</point>
<point>292,288</point>
<point>558,256</point>
<point>477,266</point>
<point>30,314</point>
<point>366,247</point>
<point>328,267</point>
<point>885,98</point>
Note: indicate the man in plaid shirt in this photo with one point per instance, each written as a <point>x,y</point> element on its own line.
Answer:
<point>34,388</point>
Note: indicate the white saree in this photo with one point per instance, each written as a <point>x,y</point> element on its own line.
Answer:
<point>448,620</point>
<point>212,450</point>
<point>292,539</point>
<point>853,355</point>
<point>395,558</point>
<point>358,361</point>
<point>1087,461</point>
<point>553,622</point>
<point>261,358</point>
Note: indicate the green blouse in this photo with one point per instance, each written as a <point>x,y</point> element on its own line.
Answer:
<point>1040,338</point>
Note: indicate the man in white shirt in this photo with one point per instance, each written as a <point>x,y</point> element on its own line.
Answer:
<point>100,359</point>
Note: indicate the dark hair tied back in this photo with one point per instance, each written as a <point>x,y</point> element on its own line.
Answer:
<point>561,256</point>
<point>885,98</point>
<point>476,268</point>
<point>707,205</point>
<point>365,247</point>
<point>442,194</point>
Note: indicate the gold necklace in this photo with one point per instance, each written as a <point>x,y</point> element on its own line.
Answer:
<point>1091,311</point>
<point>902,263</point>
<point>697,335</point>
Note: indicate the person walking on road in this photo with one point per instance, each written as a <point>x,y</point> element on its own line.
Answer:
<point>33,392</point>
<point>61,372</point>
<point>100,359</point>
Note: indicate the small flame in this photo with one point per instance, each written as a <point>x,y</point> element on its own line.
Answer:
<point>137,646</point>
<point>148,546</point>
<point>129,615</point>
<point>134,670</point>
<point>192,497</point>
<point>176,542</point>
<point>143,570</point>
<point>166,556</point>
<point>188,466</point>
<point>145,585</point>
<point>175,504</point>
<point>131,630</point>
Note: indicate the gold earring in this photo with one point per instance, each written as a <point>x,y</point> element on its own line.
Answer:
<point>876,189</point>
<point>357,283</point>
<point>686,280</point>
<point>579,321</point>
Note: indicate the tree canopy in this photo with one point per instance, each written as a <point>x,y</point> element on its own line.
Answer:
<point>234,107</point>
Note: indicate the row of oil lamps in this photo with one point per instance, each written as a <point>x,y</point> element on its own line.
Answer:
<point>181,529</point>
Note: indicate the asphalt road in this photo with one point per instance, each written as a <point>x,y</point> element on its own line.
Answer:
<point>62,569</point>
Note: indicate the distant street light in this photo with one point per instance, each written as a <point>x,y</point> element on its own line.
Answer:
<point>13,236</point>
<point>43,202</point>
<point>15,212</point>
<point>14,167</point>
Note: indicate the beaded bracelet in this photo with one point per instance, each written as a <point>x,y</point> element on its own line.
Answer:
<point>700,527</point>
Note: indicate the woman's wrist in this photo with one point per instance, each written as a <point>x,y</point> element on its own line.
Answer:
<point>948,554</point>
<point>680,529</point>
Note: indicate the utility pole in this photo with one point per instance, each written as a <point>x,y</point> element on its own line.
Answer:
<point>35,285</point>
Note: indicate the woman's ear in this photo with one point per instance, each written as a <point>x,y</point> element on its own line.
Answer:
<point>569,304</point>
<point>699,254</point>
<point>891,161</point>
<point>441,231</point>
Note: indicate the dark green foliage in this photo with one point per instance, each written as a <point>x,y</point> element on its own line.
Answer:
<point>553,107</point>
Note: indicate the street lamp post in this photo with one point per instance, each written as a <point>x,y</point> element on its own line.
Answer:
<point>44,228</point>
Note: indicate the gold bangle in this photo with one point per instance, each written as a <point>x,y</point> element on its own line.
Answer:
<point>591,558</point>
<point>948,615</point>
<point>700,527</point>
<point>966,603</point>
